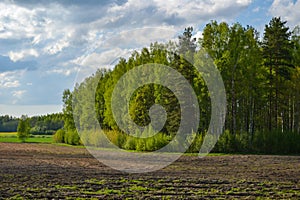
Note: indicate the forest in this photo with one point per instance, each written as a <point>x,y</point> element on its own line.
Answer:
<point>8,124</point>
<point>37,125</point>
<point>261,75</point>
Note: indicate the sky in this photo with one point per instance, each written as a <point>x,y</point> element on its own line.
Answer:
<point>48,46</point>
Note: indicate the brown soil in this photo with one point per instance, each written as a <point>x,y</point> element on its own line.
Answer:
<point>45,171</point>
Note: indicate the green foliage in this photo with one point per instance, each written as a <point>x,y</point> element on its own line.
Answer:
<point>68,110</point>
<point>226,143</point>
<point>23,129</point>
<point>196,142</point>
<point>277,51</point>
<point>94,138</point>
<point>40,125</point>
<point>46,124</point>
<point>59,136</point>
<point>130,144</point>
<point>274,142</point>
<point>124,141</point>
<point>8,124</point>
<point>262,90</point>
<point>71,137</point>
<point>186,42</point>
<point>116,137</point>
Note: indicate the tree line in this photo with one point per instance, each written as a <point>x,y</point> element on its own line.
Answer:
<point>261,78</point>
<point>37,125</point>
<point>8,123</point>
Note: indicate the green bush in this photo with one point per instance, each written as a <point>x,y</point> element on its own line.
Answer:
<point>276,142</point>
<point>98,139</point>
<point>130,143</point>
<point>265,142</point>
<point>85,138</point>
<point>161,140</point>
<point>226,143</point>
<point>151,144</point>
<point>196,143</point>
<point>59,136</point>
<point>72,137</point>
<point>141,144</point>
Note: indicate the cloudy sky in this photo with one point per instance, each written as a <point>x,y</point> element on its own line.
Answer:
<point>47,46</point>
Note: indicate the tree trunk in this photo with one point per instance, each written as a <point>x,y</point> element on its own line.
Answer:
<point>270,99</point>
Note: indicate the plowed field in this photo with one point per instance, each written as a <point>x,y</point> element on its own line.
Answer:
<point>46,171</point>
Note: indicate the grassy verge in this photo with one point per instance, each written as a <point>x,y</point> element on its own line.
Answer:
<point>12,138</point>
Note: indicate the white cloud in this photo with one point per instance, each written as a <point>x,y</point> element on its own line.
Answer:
<point>97,60</point>
<point>176,12</point>
<point>63,37</point>
<point>18,93</point>
<point>65,72</point>
<point>32,23</point>
<point>88,64</point>
<point>288,10</point>
<point>130,5</point>
<point>56,47</point>
<point>11,84</point>
<point>10,79</point>
<point>198,35</point>
<point>200,7</point>
<point>15,56</point>
<point>19,22</point>
<point>140,37</point>
<point>55,26</point>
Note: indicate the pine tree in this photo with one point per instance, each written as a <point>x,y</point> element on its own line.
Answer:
<point>277,54</point>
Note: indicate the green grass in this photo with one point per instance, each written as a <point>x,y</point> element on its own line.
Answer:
<point>95,181</point>
<point>67,187</point>
<point>29,140</point>
<point>12,138</point>
<point>138,188</point>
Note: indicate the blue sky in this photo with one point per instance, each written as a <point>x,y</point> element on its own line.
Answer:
<point>47,46</point>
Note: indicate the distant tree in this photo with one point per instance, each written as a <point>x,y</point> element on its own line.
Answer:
<point>186,42</point>
<point>68,110</point>
<point>23,129</point>
<point>8,124</point>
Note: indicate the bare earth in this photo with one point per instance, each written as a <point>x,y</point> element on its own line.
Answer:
<point>45,171</point>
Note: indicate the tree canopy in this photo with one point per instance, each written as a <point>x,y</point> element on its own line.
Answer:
<point>261,78</point>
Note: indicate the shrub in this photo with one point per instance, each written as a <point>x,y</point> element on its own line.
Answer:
<point>59,136</point>
<point>276,142</point>
<point>161,140</point>
<point>141,144</point>
<point>95,138</point>
<point>117,138</point>
<point>130,143</point>
<point>72,137</point>
<point>196,143</point>
<point>85,138</point>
